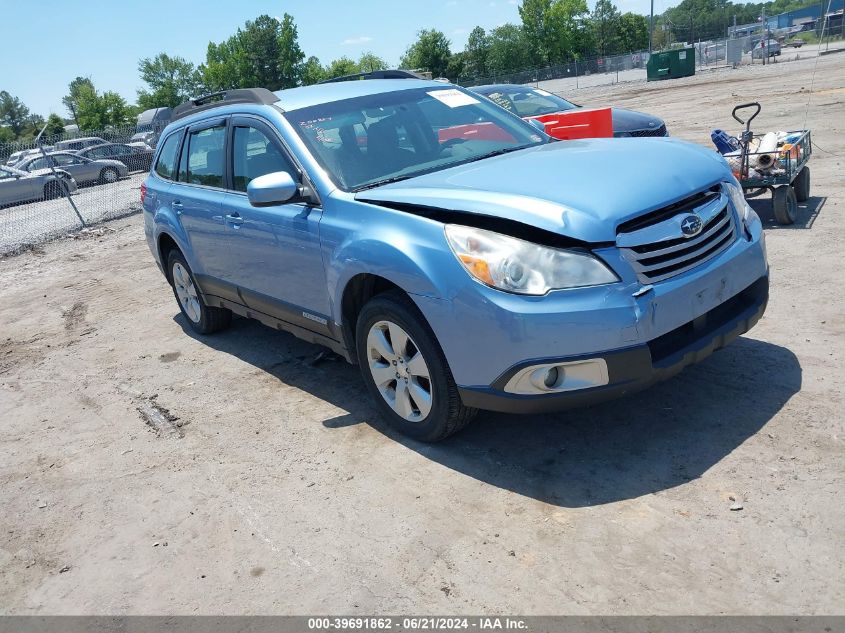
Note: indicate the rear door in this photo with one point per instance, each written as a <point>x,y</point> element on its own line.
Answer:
<point>197,196</point>
<point>274,251</point>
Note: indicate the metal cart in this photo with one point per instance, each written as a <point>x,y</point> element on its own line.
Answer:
<point>787,175</point>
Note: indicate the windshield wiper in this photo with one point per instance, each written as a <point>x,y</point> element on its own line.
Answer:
<point>498,152</point>
<point>379,183</point>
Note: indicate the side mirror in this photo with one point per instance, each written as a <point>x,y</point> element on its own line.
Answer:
<point>275,188</point>
<point>538,124</point>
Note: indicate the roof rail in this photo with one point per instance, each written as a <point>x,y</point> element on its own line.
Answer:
<point>224,97</point>
<point>375,74</point>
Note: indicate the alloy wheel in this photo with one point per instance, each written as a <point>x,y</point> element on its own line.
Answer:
<point>399,371</point>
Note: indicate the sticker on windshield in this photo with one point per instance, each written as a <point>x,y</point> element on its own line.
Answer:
<point>540,91</point>
<point>453,98</point>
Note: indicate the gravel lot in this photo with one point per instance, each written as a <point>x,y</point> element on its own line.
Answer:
<point>146,470</point>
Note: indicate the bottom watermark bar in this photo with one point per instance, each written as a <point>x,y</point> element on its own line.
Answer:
<point>526,624</point>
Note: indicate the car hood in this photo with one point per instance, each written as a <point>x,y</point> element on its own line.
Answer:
<point>582,189</point>
<point>630,120</point>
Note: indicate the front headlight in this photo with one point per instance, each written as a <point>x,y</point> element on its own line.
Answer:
<point>738,201</point>
<point>522,267</point>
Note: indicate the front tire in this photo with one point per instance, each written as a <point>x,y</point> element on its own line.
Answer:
<point>109,175</point>
<point>406,372</point>
<point>203,319</point>
<point>52,190</point>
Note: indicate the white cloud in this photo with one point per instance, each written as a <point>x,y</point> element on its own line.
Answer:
<point>363,39</point>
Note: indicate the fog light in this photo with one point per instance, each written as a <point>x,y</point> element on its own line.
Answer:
<point>551,377</point>
<point>561,376</point>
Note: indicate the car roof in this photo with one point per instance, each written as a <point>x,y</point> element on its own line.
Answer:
<point>306,96</point>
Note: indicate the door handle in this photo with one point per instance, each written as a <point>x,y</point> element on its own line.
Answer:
<point>234,219</point>
<point>178,207</point>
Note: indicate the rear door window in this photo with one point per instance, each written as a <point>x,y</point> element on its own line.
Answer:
<point>166,164</point>
<point>205,156</point>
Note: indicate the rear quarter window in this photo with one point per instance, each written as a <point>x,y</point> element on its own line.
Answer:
<point>166,163</point>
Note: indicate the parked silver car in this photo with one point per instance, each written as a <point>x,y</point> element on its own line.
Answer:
<point>76,144</point>
<point>84,170</point>
<point>21,186</point>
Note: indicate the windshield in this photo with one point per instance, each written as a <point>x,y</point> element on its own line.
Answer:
<point>366,141</point>
<point>528,101</point>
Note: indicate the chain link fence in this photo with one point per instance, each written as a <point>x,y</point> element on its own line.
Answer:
<point>68,182</point>
<point>585,72</point>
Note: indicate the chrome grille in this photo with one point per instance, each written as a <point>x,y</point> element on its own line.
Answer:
<point>660,250</point>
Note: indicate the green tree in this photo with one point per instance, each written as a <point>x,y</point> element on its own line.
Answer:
<point>55,126</point>
<point>369,62</point>
<point>312,71</point>
<point>96,111</point>
<point>633,32</point>
<point>476,52</point>
<point>70,100</point>
<point>290,54</point>
<point>225,66</point>
<point>171,81</point>
<point>508,51</point>
<point>604,21</point>
<point>535,28</point>
<point>455,67</point>
<point>430,52</point>
<point>13,113</point>
<point>264,53</point>
<point>341,67</point>
<point>567,24</point>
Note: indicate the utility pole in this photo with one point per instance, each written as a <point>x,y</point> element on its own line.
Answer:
<point>650,28</point>
<point>765,37</point>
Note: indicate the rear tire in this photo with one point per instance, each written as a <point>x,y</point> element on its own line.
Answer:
<point>802,185</point>
<point>784,205</point>
<point>406,372</point>
<point>203,319</point>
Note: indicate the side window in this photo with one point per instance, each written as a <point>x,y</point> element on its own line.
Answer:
<point>166,164</point>
<point>66,159</point>
<point>253,155</point>
<point>98,152</point>
<point>205,156</point>
<point>38,163</point>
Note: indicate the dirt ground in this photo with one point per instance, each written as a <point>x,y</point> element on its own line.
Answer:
<point>146,470</point>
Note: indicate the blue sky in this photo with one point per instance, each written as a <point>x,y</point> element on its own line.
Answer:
<point>104,39</point>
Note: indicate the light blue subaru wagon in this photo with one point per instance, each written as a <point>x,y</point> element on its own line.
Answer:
<point>463,259</point>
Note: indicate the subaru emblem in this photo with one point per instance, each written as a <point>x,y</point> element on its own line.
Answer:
<point>691,225</point>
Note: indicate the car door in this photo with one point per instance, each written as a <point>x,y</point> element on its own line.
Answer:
<point>197,196</point>
<point>82,169</point>
<point>274,251</point>
<point>15,187</point>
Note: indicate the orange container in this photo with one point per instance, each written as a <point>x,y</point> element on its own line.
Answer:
<point>579,123</point>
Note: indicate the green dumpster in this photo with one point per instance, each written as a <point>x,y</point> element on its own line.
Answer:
<point>679,62</point>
